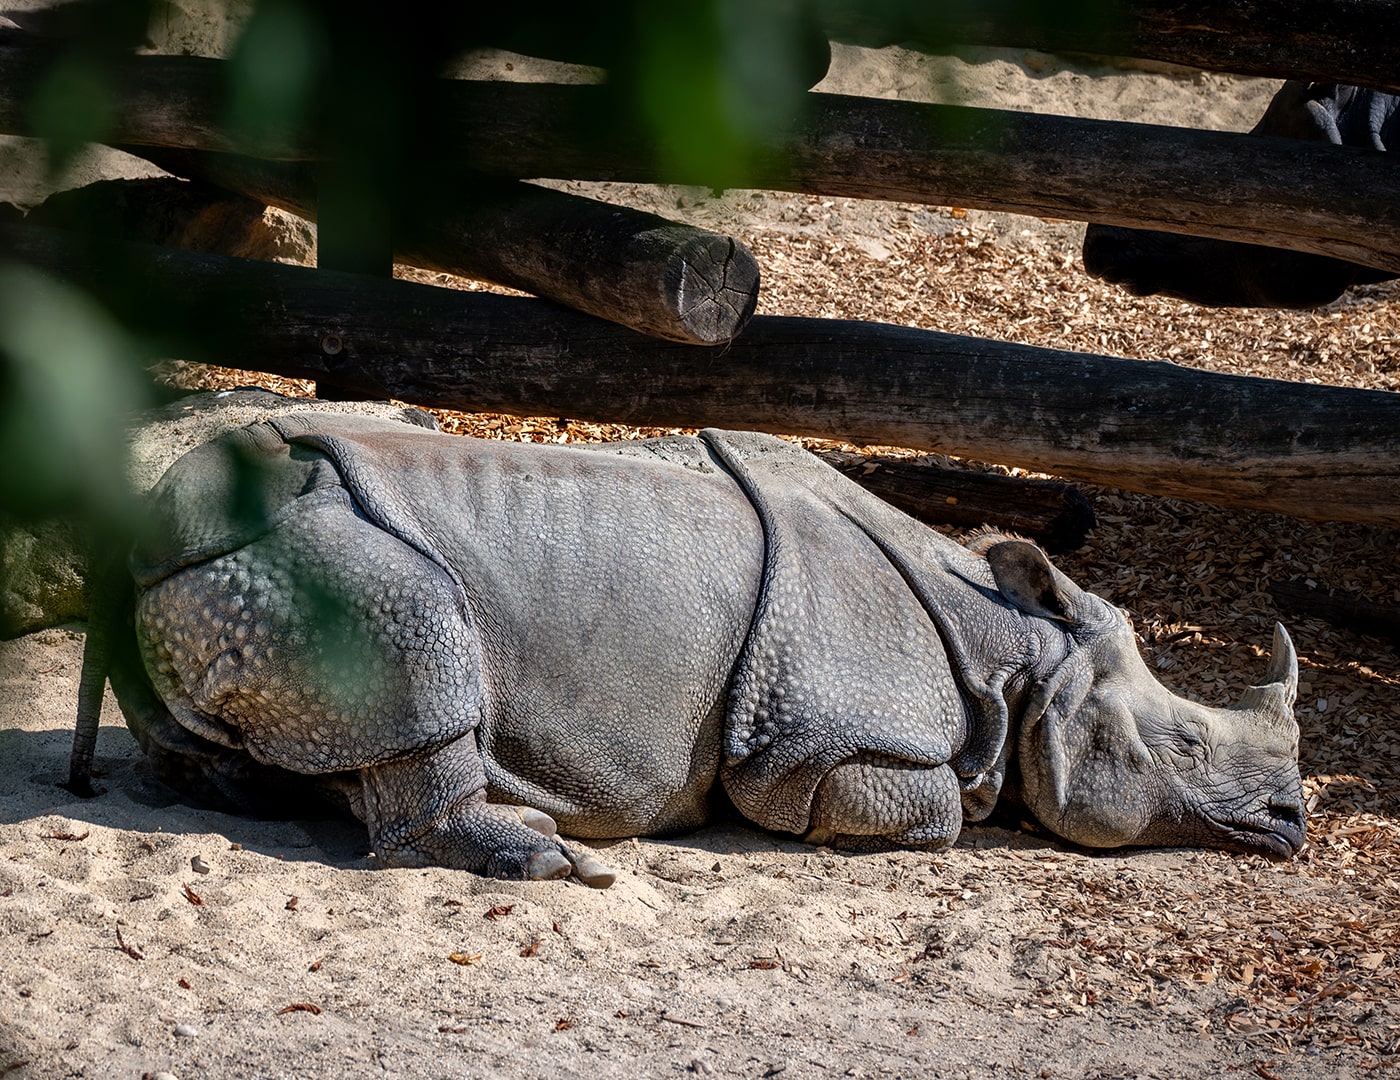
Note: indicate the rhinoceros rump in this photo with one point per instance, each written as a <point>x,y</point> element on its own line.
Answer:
<point>1219,273</point>
<point>470,641</point>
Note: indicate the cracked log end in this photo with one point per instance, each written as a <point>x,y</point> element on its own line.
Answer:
<point>711,288</point>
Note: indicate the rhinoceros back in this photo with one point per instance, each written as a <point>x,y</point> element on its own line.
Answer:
<point>609,592</point>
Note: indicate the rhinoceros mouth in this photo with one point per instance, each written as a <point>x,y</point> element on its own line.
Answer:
<point>1279,839</point>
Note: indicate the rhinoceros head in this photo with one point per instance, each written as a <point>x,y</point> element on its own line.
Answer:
<point>1108,756</point>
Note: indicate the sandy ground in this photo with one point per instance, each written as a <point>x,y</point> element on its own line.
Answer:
<point>726,952</point>
<point>284,953</point>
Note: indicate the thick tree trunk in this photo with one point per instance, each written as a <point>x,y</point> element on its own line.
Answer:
<point>636,269</point>
<point>1311,451</point>
<point>1337,201</point>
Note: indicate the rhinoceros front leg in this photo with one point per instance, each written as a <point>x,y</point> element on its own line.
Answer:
<point>873,801</point>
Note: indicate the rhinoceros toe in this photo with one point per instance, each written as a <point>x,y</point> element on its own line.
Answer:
<point>538,820</point>
<point>547,866</point>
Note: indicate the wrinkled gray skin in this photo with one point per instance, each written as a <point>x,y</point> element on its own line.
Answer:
<point>1218,273</point>
<point>470,641</point>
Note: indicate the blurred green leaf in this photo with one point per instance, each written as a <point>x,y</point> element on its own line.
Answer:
<point>69,377</point>
<point>274,75</point>
<point>715,80</point>
<point>71,108</point>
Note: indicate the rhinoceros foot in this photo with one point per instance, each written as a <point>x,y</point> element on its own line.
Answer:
<point>431,810</point>
<point>873,802</point>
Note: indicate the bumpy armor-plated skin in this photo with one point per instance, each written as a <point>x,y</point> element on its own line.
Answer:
<point>472,641</point>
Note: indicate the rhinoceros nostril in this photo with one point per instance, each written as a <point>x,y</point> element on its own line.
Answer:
<point>1287,812</point>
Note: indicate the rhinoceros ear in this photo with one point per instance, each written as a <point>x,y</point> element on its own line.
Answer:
<point>1025,577</point>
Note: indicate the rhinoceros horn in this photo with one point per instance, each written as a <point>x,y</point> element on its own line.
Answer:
<point>1280,685</point>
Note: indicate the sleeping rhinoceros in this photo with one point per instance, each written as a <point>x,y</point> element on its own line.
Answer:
<point>471,641</point>
<point>1219,273</point>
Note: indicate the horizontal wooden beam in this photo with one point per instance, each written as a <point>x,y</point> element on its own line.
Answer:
<point>640,270</point>
<point>1338,201</point>
<point>1346,41</point>
<point>1055,515</point>
<point>1311,451</point>
<point>155,100</point>
<point>1359,614</point>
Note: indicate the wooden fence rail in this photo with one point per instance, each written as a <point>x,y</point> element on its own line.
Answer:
<point>1337,201</point>
<point>1347,41</point>
<point>1310,451</point>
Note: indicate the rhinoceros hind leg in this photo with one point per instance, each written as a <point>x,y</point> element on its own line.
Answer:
<point>872,801</point>
<point>430,809</point>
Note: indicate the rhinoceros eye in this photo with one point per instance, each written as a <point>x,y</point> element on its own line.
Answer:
<point>1186,739</point>
<point>1191,743</point>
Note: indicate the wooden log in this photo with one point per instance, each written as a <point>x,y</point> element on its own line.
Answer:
<point>636,269</point>
<point>1353,613</point>
<point>1346,41</point>
<point>796,49</point>
<point>1337,201</point>
<point>1331,200</point>
<point>1311,451</point>
<point>156,100</point>
<point>1053,514</point>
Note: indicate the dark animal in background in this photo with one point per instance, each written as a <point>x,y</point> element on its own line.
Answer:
<point>1219,273</point>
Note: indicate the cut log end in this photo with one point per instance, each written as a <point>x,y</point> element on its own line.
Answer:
<point>711,287</point>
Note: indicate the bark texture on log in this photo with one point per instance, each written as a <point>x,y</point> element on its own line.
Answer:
<point>1349,612</point>
<point>1311,451</point>
<point>636,269</point>
<point>1055,515</point>
<point>1337,201</point>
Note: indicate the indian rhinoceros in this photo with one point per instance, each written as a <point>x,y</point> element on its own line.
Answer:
<point>472,641</point>
<point>1219,273</point>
